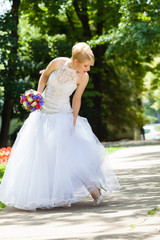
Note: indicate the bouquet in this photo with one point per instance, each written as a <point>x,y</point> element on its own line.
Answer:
<point>31,100</point>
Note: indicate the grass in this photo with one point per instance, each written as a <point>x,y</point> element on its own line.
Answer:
<point>2,169</point>
<point>152,211</point>
<point>113,149</point>
<point>2,205</point>
<point>158,128</point>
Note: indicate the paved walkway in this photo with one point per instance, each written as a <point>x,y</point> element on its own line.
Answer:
<point>132,143</point>
<point>122,215</point>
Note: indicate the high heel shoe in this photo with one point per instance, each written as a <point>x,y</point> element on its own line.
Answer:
<point>98,201</point>
<point>99,186</point>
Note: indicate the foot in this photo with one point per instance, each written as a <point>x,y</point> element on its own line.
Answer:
<point>98,201</point>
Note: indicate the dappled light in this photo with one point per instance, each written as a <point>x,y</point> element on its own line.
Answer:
<point>122,215</point>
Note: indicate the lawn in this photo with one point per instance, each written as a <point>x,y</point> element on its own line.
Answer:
<point>113,149</point>
<point>158,128</point>
<point>2,169</point>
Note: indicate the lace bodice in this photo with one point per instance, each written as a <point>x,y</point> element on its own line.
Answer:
<point>61,84</point>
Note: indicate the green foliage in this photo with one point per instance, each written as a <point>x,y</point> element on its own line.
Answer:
<point>113,149</point>
<point>130,45</point>
<point>152,211</point>
<point>2,205</point>
<point>2,169</point>
<point>158,128</point>
<point>132,226</point>
<point>12,74</point>
<point>121,35</point>
<point>152,96</point>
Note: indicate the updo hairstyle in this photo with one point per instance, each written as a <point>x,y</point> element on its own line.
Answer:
<point>82,52</point>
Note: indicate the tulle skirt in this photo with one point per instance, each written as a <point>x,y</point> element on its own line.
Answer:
<point>53,163</point>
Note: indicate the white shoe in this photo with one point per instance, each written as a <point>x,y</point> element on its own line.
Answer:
<point>99,186</point>
<point>98,201</point>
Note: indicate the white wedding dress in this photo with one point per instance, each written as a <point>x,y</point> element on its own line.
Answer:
<point>53,162</point>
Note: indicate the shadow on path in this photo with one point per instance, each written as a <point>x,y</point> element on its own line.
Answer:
<point>138,173</point>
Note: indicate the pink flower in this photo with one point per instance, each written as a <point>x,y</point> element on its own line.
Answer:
<point>24,98</point>
<point>38,106</point>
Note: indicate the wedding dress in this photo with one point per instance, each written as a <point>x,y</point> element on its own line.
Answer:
<point>53,162</point>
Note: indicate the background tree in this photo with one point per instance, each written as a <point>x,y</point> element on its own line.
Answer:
<point>9,59</point>
<point>152,96</point>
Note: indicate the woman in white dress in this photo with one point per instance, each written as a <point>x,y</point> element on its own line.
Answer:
<point>56,159</point>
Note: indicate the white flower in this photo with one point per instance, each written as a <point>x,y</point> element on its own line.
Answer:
<point>25,104</point>
<point>27,93</point>
<point>33,104</point>
<point>29,99</point>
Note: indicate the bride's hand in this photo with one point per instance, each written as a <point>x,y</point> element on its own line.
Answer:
<point>74,121</point>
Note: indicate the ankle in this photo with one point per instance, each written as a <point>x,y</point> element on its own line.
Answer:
<point>96,193</point>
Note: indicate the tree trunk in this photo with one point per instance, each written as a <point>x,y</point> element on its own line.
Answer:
<point>83,17</point>
<point>97,77</point>
<point>6,117</point>
<point>97,82</point>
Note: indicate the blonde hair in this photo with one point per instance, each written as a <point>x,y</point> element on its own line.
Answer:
<point>82,52</point>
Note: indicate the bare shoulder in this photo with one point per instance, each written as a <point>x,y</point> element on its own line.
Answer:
<point>81,85</point>
<point>60,59</point>
<point>86,77</point>
<point>55,64</point>
<point>83,79</point>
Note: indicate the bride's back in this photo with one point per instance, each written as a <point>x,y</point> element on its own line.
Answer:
<point>61,84</point>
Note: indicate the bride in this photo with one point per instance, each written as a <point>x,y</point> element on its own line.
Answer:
<point>56,159</point>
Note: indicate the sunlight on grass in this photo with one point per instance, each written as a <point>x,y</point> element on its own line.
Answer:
<point>113,149</point>
<point>158,128</point>
<point>152,211</point>
<point>2,205</point>
<point>2,169</point>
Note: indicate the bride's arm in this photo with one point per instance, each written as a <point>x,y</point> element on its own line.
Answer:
<point>52,66</point>
<point>76,101</point>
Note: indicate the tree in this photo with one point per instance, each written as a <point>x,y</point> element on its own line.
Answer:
<point>9,58</point>
<point>130,47</point>
<point>20,68</point>
<point>152,96</point>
